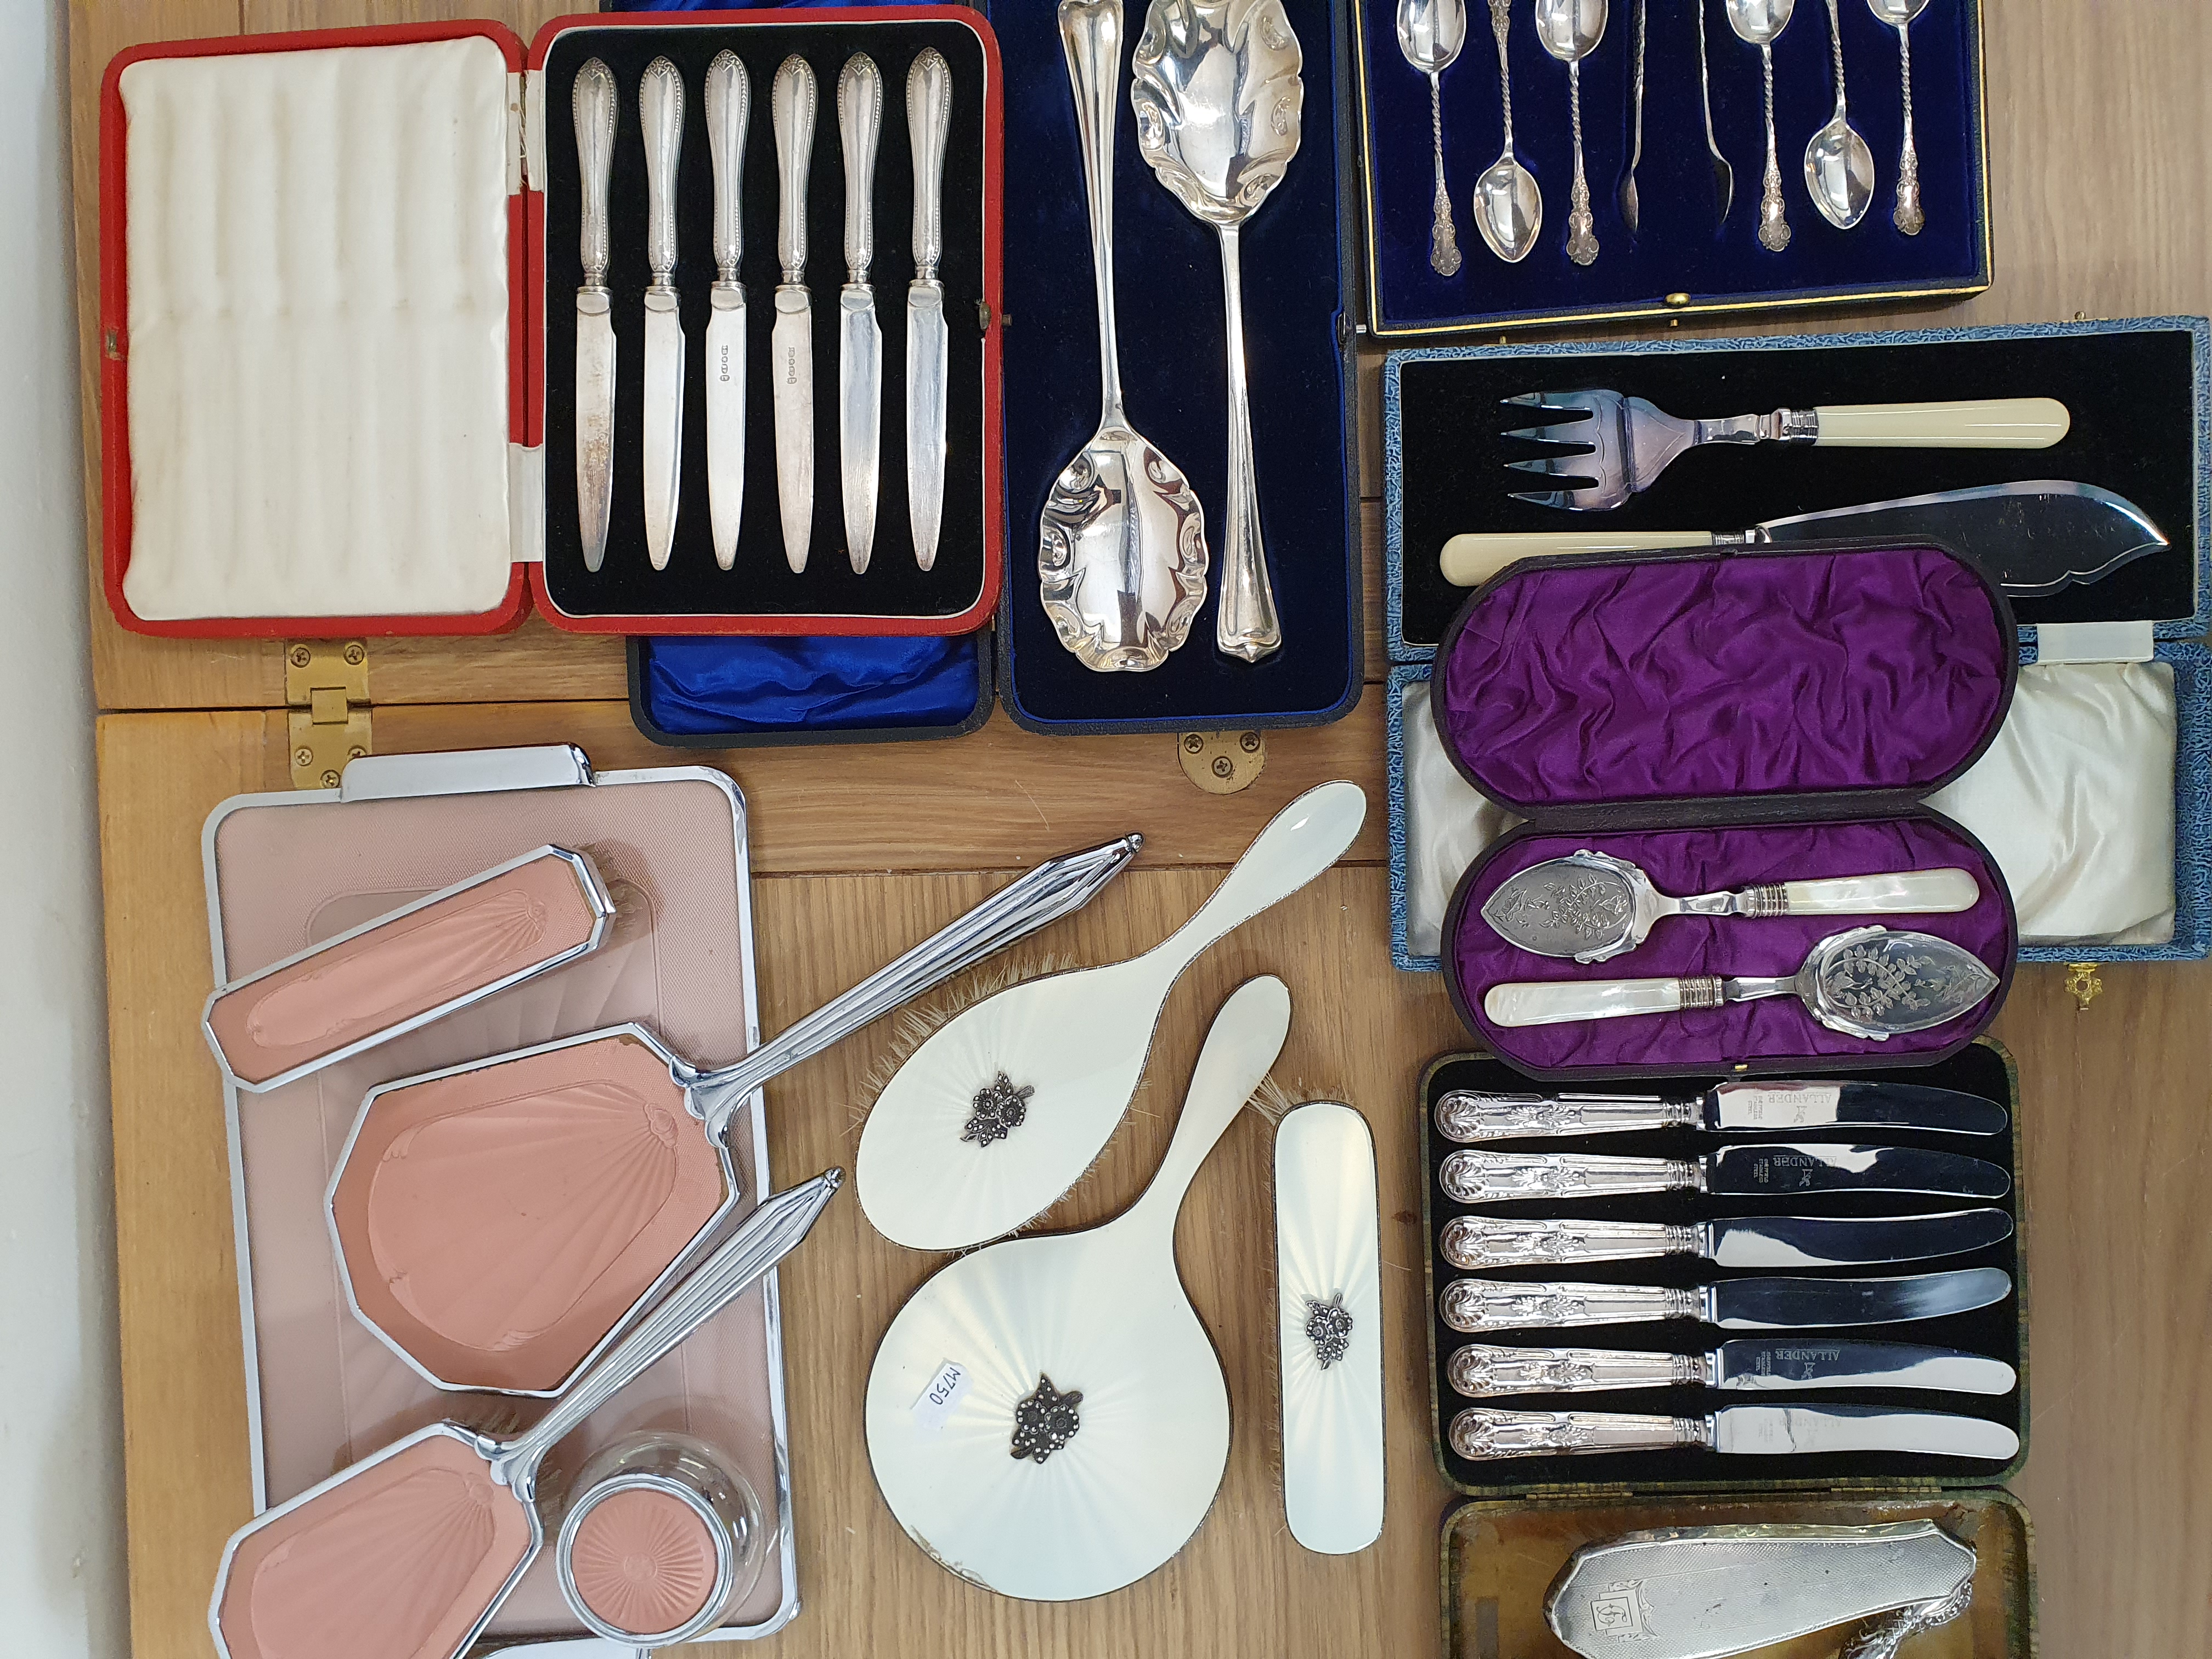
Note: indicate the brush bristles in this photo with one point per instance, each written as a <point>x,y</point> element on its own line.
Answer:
<point>915,1023</point>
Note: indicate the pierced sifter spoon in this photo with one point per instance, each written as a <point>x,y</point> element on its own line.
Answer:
<point>1591,906</point>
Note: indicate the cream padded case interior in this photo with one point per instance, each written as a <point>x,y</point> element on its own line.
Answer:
<point>317,245</point>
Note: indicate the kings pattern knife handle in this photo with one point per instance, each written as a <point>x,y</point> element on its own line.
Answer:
<point>861,127</point>
<point>1481,1177</point>
<point>1906,892</point>
<point>1481,1432</point>
<point>1472,560</point>
<point>792,101</point>
<point>594,112</point>
<point>729,113</point>
<point>1994,424</point>
<point>929,124</point>
<point>660,111</point>
<point>1476,1305</point>
<point>1476,1243</point>
<point>1558,1002</point>
<point>1480,1369</point>
<point>1467,1117</point>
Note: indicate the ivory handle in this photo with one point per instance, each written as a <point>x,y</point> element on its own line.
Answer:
<point>1471,560</point>
<point>1994,424</point>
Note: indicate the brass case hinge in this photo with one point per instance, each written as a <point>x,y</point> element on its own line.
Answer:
<point>1222,762</point>
<point>327,701</point>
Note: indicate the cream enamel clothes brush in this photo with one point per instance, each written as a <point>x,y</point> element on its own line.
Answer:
<point>1047,1418</point>
<point>1003,1110</point>
<point>408,1553</point>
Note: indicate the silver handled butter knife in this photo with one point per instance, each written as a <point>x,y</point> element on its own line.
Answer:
<point>1478,1305</point>
<point>929,342</point>
<point>1469,1116</point>
<point>860,335</point>
<point>593,108</point>
<point>729,114</point>
<point>1479,1243</point>
<point>791,344</point>
<point>1754,1431</point>
<point>1482,1370</point>
<point>660,112</point>
<point>1764,1170</point>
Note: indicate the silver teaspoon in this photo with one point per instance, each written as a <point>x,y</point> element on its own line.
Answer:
<point>1759,23</point>
<point>1898,14</point>
<point>1869,982</point>
<point>1591,906</point>
<point>1570,30</point>
<point>1218,98</point>
<point>1430,34</point>
<point>1121,543</point>
<point>1838,165</point>
<point>1508,208</point>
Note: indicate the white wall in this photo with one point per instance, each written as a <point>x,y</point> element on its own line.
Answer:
<point>61,1488</point>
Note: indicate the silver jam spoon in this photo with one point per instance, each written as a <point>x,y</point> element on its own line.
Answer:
<point>1218,98</point>
<point>1760,23</point>
<point>1571,30</point>
<point>1430,34</point>
<point>1122,542</point>
<point>1838,165</point>
<point>1869,982</point>
<point>1898,14</point>
<point>1724,174</point>
<point>1591,906</point>
<point>1508,208</point>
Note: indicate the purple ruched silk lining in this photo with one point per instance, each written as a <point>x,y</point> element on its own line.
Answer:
<point>1756,673</point>
<point>1683,862</point>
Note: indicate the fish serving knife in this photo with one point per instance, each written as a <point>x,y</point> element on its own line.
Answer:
<point>593,108</point>
<point>929,342</point>
<point>1764,1170</point>
<point>1478,1243</point>
<point>1467,1117</point>
<point>1482,1370</point>
<point>2034,537</point>
<point>729,114</point>
<point>661,112</point>
<point>1867,982</point>
<point>1755,1431</point>
<point>1477,1305</point>
<point>792,110</point>
<point>860,335</point>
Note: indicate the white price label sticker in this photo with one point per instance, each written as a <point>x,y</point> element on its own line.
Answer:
<point>943,1396</point>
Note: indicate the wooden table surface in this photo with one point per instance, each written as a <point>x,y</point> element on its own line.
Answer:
<point>2100,160</point>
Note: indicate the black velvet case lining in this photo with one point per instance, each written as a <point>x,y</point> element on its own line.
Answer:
<point>761,583</point>
<point>1175,377</point>
<point>2132,397</point>
<point>1998,1331</point>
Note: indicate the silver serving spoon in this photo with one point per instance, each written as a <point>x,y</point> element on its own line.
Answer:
<point>1570,31</point>
<point>1838,165</point>
<point>1869,982</point>
<point>1216,86</point>
<point>1430,34</point>
<point>1591,906</point>
<point>1631,209</point>
<point>1759,23</point>
<point>1122,542</point>
<point>1724,174</point>
<point>1898,14</point>
<point>1508,208</point>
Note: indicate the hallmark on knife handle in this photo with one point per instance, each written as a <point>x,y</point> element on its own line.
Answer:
<point>929,118</point>
<point>859,337</point>
<point>729,118</point>
<point>793,107</point>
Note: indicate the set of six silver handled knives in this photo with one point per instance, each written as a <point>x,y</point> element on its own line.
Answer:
<point>793,104</point>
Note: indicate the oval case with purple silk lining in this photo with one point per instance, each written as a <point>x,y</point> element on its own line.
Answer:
<point>1724,718</point>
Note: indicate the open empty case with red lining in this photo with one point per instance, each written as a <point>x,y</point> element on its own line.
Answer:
<point>337,282</point>
<point>1724,719</point>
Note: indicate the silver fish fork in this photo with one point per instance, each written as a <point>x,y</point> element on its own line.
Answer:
<point>1617,446</point>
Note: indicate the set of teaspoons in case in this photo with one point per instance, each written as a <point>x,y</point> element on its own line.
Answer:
<point>1508,203</point>
<point>860,344</point>
<point>1753,1169</point>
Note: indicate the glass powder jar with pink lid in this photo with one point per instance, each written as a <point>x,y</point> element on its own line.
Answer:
<point>662,1536</point>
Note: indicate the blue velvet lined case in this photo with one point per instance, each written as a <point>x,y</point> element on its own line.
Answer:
<point>1680,261</point>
